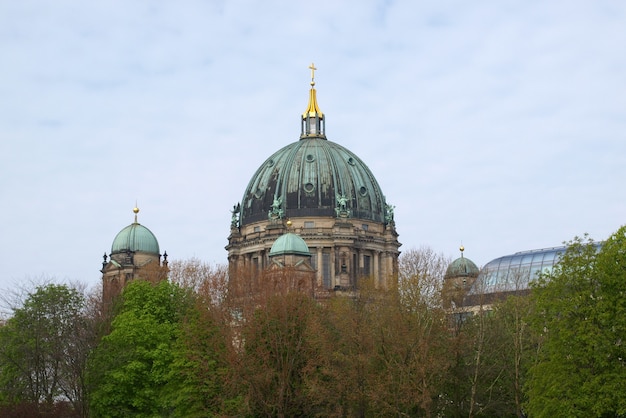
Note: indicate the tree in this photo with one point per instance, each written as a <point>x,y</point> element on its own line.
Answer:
<point>488,351</point>
<point>205,279</point>
<point>43,349</point>
<point>201,381</point>
<point>351,369</point>
<point>130,368</point>
<point>475,384</point>
<point>420,278</point>
<point>281,356</point>
<point>517,351</point>
<point>580,314</point>
<point>385,350</point>
<point>410,356</point>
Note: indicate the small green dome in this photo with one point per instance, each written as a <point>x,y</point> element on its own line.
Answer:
<point>289,244</point>
<point>462,267</point>
<point>137,238</point>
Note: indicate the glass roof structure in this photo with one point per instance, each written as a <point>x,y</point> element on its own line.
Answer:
<point>512,273</point>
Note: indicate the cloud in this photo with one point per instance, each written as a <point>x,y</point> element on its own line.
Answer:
<point>496,124</point>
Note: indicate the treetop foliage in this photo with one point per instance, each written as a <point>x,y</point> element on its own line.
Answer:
<point>580,315</point>
<point>184,348</point>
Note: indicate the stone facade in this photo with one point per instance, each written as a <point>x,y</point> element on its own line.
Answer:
<point>342,250</point>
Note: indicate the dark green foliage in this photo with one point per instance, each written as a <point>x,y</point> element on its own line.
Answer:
<point>581,317</point>
<point>43,348</point>
<point>517,351</point>
<point>199,380</point>
<point>37,410</point>
<point>480,382</point>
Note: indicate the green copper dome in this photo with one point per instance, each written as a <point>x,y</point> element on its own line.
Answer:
<point>313,177</point>
<point>289,244</point>
<point>135,237</point>
<point>462,267</point>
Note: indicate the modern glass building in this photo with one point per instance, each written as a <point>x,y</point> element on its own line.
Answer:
<point>512,274</point>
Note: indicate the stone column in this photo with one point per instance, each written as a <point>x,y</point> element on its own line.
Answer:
<point>375,269</point>
<point>320,267</point>
<point>333,271</point>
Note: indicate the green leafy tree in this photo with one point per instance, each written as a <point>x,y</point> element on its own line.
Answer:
<point>517,351</point>
<point>43,350</point>
<point>489,352</point>
<point>478,382</point>
<point>130,369</point>
<point>200,381</point>
<point>580,314</point>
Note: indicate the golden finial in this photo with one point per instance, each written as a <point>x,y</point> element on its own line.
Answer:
<point>288,223</point>
<point>312,109</point>
<point>135,211</point>
<point>312,68</point>
<point>462,248</point>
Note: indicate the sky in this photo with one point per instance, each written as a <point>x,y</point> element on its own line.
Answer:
<point>496,125</point>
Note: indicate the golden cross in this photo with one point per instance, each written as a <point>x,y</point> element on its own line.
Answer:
<point>312,67</point>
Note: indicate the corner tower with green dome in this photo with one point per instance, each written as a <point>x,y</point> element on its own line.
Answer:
<point>134,255</point>
<point>459,278</point>
<point>331,200</point>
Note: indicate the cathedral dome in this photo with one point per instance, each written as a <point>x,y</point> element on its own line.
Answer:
<point>313,177</point>
<point>136,238</point>
<point>330,198</point>
<point>289,244</point>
